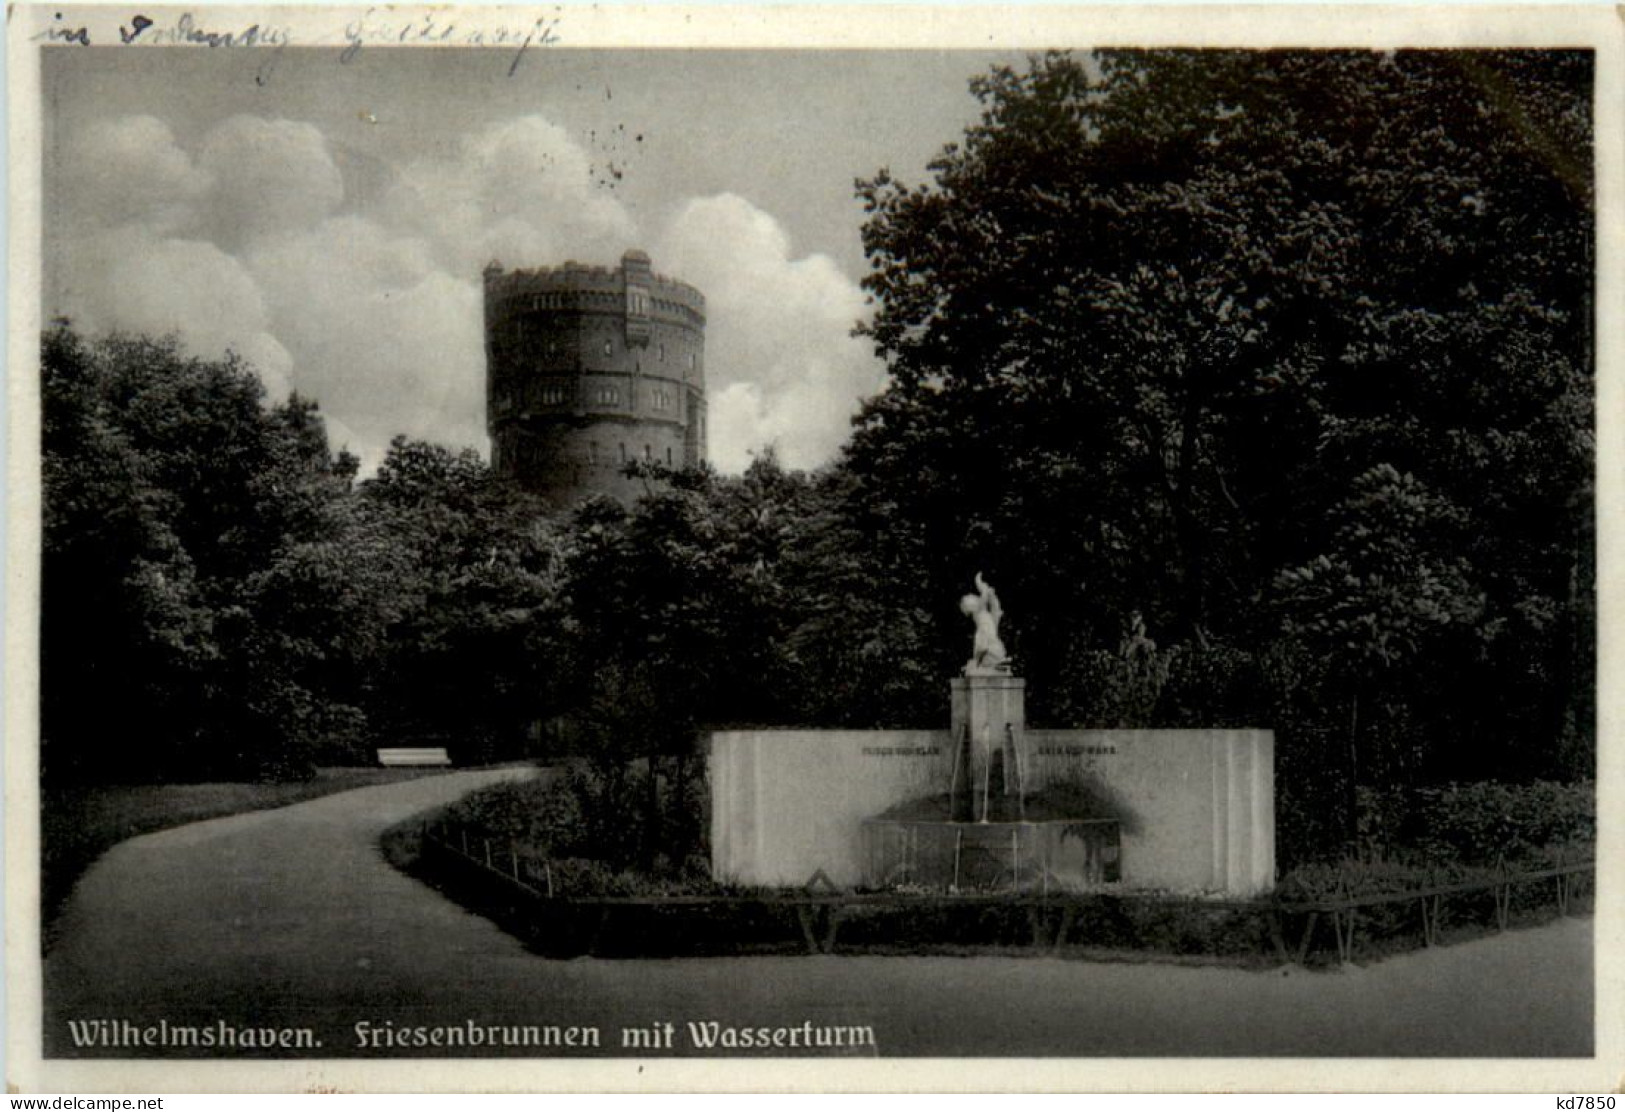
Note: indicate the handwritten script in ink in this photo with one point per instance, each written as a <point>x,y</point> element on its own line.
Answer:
<point>375,27</point>
<point>185,30</point>
<point>378,28</point>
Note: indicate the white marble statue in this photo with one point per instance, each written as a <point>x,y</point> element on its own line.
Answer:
<point>988,657</point>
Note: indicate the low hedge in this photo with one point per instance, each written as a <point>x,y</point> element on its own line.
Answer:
<point>1459,835</point>
<point>762,922</point>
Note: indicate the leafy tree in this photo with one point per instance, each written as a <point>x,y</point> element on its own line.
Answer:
<point>1274,348</point>
<point>863,647</point>
<point>469,652</point>
<point>171,492</point>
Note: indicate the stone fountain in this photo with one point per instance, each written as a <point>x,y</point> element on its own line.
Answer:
<point>980,835</point>
<point>988,803</point>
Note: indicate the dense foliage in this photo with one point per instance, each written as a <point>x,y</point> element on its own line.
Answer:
<point>592,825</point>
<point>190,594</point>
<point>1288,353</point>
<point>1260,385</point>
<point>222,600</point>
<point>1485,823</point>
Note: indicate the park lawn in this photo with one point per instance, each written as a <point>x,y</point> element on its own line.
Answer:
<point>78,825</point>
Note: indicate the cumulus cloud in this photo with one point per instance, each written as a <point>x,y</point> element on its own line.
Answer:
<point>131,280</point>
<point>521,191</point>
<point>384,339</point>
<point>248,239</point>
<point>267,177</point>
<point>129,170</point>
<point>783,367</point>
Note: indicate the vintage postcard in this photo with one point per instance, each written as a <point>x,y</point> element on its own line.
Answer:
<point>1018,548</point>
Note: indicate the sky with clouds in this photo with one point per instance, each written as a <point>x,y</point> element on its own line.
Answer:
<point>328,220</point>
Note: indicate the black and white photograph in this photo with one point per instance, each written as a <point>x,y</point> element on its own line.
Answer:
<point>547,534</point>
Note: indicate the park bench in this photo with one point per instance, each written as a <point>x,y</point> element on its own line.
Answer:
<point>409,755</point>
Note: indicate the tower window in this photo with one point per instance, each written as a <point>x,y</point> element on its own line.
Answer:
<point>608,395</point>
<point>609,347</point>
<point>691,360</point>
<point>553,395</point>
<point>668,456</point>
<point>662,350</point>
<point>623,453</point>
<point>646,453</point>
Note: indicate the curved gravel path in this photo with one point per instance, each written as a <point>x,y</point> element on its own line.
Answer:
<point>292,918</point>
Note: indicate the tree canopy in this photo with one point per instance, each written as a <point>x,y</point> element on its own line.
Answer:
<point>1285,351</point>
<point>182,518</point>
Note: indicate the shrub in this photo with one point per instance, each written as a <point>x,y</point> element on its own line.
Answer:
<point>1481,823</point>
<point>532,813</point>
<point>592,829</point>
<point>1375,877</point>
<point>1188,927</point>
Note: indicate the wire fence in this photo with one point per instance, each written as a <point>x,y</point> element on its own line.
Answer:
<point>1289,930</point>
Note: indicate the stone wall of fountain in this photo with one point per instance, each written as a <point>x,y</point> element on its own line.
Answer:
<point>990,804</point>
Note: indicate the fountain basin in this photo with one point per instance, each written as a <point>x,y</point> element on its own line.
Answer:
<point>1037,855</point>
